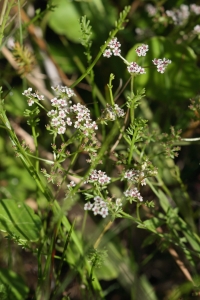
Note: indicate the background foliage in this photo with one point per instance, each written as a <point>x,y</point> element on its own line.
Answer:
<point>137,261</point>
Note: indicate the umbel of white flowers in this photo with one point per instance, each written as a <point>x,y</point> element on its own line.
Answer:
<point>132,67</point>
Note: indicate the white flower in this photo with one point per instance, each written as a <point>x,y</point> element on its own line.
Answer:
<point>196,29</point>
<point>71,184</point>
<point>104,212</point>
<point>61,130</point>
<point>30,102</point>
<point>27,92</point>
<point>116,51</point>
<point>151,10</point>
<point>107,53</point>
<point>195,9</point>
<point>88,206</point>
<point>133,193</point>
<point>161,64</point>
<point>118,202</point>
<point>142,50</point>
<point>135,68</point>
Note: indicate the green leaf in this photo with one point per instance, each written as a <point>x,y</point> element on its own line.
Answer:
<point>145,290</point>
<point>151,224</point>
<point>62,57</point>
<point>106,271</point>
<point>65,20</point>
<point>15,103</point>
<point>19,220</point>
<point>12,286</point>
<point>149,240</point>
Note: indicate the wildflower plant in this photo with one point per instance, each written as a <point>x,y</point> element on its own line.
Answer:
<point>107,162</point>
<point>133,67</point>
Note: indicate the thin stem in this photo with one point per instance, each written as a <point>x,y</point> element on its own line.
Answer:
<point>102,234</point>
<point>83,70</point>
<point>45,283</point>
<point>132,113</point>
<point>132,147</point>
<point>63,256</point>
<point>103,48</point>
<point>36,148</point>
<point>20,24</point>
<point>4,17</point>
<point>73,160</point>
<point>84,223</point>
<point>3,11</point>
<point>138,211</point>
<point>50,162</point>
<point>110,89</point>
<point>23,156</point>
<point>88,70</point>
<point>125,61</point>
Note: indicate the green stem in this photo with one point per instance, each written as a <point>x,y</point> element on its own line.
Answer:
<point>20,24</point>
<point>96,244</point>
<point>23,155</point>
<point>4,17</point>
<point>88,70</point>
<point>50,162</point>
<point>132,112</point>
<point>56,209</point>
<point>138,211</point>
<point>63,257</point>
<point>103,48</point>
<point>45,283</point>
<point>99,156</point>
<point>36,148</point>
<point>3,11</point>
<point>83,70</point>
<point>73,160</point>
<point>84,223</point>
<point>132,116</point>
<point>110,89</point>
<point>132,148</point>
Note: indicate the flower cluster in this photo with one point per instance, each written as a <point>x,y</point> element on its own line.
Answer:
<point>98,176</point>
<point>119,111</point>
<point>118,202</point>
<point>133,67</point>
<point>195,107</point>
<point>179,15</point>
<point>99,207</point>
<point>149,169</point>
<point>135,176</point>
<point>196,29</point>
<point>112,112</point>
<point>53,176</point>
<point>64,91</point>
<point>161,64</point>
<point>32,97</point>
<point>71,184</point>
<point>113,48</point>
<point>142,50</point>
<point>151,10</point>
<point>133,193</point>
<point>66,114</point>
<point>195,9</point>
<point>183,13</point>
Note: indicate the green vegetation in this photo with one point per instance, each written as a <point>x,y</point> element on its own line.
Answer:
<point>99,150</point>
